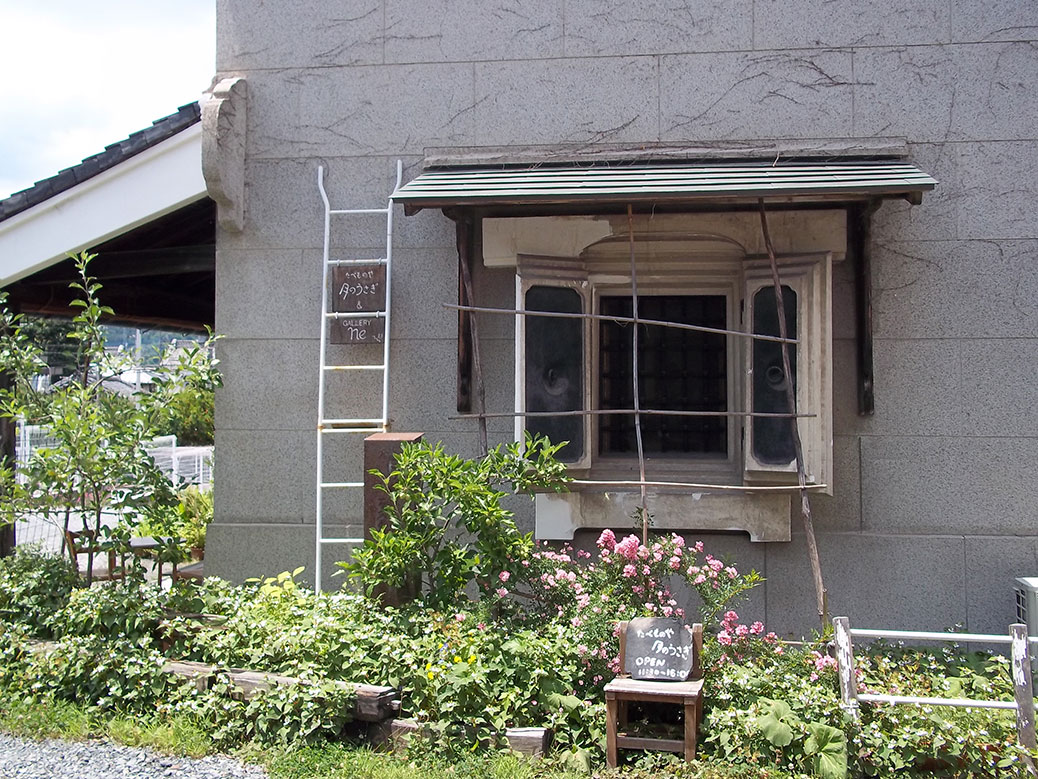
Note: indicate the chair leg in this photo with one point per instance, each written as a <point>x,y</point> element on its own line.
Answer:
<point>691,721</point>
<point>611,718</point>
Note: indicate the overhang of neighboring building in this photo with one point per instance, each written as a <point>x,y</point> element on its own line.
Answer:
<point>142,206</point>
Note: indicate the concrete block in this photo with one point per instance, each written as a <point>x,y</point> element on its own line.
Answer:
<point>780,25</point>
<point>472,30</point>
<point>996,20</point>
<point>268,294</point>
<point>566,100</point>
<point>998,190</point>
<point>999,387</point>
<point>949,485</point>
<point>936,218</point>
<point>423,280</point>
<point>965,289</point>
<point>992,564</point>
<point>842,509</point>
<point>423,395</point>
<point>495,287</point>
<point>240,551</point>
<point>268,384</point>
<point>879,581</point>
<point>385,109</point>
<point>955,92</point>
<point>302,34</point>
<point>653,27</point>
<point>917,388</point>
<point>269,476</point>
<point>283,208</point>
<point>846,421</point>
<point>755,95</point>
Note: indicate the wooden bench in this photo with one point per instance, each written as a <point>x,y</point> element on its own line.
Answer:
<point>686,692</point>
<point>84,541</point>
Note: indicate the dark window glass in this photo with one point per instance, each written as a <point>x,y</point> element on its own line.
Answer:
<point>772,436</point>
<point>677,369</point>
<point>555,368</point>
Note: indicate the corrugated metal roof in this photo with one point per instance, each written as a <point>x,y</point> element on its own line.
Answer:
<point>659,183</point>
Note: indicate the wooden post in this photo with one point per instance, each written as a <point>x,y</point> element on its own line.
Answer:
<point>379,450</point>
<point>845,666</point>
<point>1022,685</point>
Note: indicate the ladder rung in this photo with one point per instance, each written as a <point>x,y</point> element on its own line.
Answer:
<point>356,315</point>
<point>376,261</point>
<point>342,540</point>
<point>349,422</point>
<point>374,429</point>
<point>329,484</point>
<point>360,210</point>
<point>379,367</point>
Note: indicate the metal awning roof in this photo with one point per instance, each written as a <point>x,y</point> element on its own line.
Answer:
<point>645,184</point>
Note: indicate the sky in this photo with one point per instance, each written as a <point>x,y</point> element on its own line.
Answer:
<point>79,75</point>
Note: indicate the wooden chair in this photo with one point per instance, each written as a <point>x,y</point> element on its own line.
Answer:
<point>687,693</point>
<point>82,541</point>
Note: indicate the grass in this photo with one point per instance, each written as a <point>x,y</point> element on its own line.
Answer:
<point>183,736</point>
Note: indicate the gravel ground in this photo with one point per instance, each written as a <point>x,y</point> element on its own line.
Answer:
<point>97,760</point>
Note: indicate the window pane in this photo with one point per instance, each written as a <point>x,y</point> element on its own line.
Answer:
<point>677,369</point>
<point>555,368</point>
<point>772,437</point>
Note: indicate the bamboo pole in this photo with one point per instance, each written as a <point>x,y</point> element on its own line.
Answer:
<point>821,595</point>
<point>620,320</point>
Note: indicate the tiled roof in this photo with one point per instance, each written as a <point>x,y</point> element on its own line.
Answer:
<point>160,130</point>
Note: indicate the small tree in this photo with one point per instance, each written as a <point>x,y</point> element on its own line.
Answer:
<point>98,465</point>
<point>446,525</point>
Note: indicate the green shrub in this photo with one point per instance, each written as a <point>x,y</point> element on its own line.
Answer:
<point>130,609</point>
<point>33,587</point>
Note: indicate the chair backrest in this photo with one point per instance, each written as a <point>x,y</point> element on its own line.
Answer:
<point>665,654</point>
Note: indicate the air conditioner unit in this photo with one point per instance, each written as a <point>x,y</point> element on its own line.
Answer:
<point>1026,591</point>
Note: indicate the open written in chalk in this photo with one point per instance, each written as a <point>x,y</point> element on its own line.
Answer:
<point>658,648</point>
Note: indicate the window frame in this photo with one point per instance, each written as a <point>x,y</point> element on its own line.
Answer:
<point>809,274</point>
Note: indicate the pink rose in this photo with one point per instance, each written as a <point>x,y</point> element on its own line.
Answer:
<point>504,576</point>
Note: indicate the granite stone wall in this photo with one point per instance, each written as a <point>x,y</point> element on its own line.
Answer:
<point>934,512</point>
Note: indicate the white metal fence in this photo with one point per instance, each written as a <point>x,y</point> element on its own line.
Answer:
<point>1020,645</point>
<point>182,464</point>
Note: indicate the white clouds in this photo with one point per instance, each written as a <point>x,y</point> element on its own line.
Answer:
<point>78,76</point>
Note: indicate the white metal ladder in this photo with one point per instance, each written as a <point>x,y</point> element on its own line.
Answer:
<point>325,425</point>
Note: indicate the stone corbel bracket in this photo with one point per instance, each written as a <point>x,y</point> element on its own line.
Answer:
<point>223,150</point>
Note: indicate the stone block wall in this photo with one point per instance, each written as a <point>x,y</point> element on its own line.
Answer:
<point>934,512</point>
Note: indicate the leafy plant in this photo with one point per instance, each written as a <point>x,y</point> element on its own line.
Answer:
<point>99,469</point>
<point>33,587</point>
<point>446,524</point>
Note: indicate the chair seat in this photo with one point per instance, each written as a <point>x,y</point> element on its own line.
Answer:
<point>623,687</point>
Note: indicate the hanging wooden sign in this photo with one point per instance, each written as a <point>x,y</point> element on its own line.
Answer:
<point>352,330</point>
<point>358,288</point>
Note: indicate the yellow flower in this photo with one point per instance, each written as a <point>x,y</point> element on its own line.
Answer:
<point>428,666</point>
<point>457,659</point>
<point>432,675</point>
<point>472,659</point>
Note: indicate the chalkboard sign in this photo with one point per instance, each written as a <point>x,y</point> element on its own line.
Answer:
<point>659,649</point>
<point>358,288</point>
<point>354,330</point>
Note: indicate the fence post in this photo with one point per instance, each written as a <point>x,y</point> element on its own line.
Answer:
<point>845,665</point>
<point>1022,685</point>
